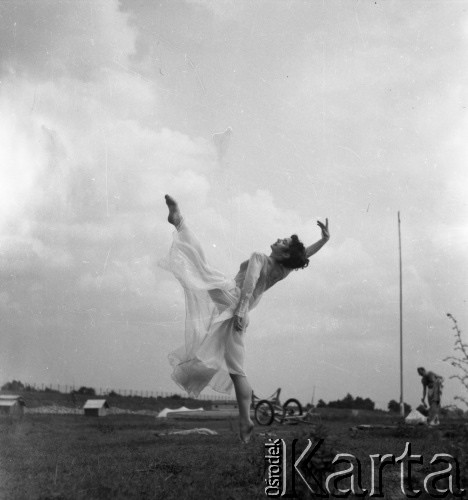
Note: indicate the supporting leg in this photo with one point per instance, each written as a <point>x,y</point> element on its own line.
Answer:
<point>244,398</point>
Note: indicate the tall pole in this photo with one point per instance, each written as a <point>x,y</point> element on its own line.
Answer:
<point>402,405</point>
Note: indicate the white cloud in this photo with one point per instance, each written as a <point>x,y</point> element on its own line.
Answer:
<point>221,9</point>
<point>46,39</point>
<point>83,172</point>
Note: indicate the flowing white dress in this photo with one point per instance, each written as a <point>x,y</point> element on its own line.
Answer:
<point>213,348</point>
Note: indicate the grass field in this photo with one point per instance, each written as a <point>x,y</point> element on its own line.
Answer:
<point>53,456</point>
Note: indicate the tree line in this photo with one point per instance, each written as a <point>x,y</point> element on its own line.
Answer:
<point>357,403</point>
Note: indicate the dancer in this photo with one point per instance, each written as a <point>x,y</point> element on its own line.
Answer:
<point>432,386</point>
<point>217,310</point>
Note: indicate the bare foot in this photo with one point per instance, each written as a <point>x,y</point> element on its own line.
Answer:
<point>246,431</point>
<point>174,217</point>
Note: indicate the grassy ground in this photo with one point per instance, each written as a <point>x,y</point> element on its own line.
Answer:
<point>67,456</point>
<point>119,456</point>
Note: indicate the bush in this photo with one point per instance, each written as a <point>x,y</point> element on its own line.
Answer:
<point>48,389</point>
<point>86,391</point>
<point>460,360</point>
<point>351,403</point>
<point>14,386</point>
<point>394,407</point>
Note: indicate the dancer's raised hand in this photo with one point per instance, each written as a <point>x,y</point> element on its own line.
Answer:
<point>238,323</point>
<point>324,228</point>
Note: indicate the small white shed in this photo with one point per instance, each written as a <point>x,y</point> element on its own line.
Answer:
<point>11,405</point>
<point>96,407</point>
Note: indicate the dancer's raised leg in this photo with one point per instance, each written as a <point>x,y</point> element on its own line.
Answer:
<point>244,399</point>
<point>175,217</point>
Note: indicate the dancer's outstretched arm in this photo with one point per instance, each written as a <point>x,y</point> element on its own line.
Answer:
<point>319,244</point>
<point>251,277</point>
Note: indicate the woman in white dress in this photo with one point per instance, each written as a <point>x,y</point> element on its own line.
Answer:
<point>217,310</point>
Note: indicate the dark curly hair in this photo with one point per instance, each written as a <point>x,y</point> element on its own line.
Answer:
<point>297,255</point>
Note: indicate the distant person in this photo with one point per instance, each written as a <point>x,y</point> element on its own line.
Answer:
<point>432,387</point>
<point>217,310</point>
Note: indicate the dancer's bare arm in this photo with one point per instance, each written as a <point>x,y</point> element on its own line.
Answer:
<point>319,244</point>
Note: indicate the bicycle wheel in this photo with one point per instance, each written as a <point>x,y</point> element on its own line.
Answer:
<point>264,412</point>
<point>292,408</point>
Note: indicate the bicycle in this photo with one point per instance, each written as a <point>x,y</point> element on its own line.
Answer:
<point>270,409</point>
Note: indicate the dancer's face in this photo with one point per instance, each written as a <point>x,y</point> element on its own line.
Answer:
<point>280,249</point>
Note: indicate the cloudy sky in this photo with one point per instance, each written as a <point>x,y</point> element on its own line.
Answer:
<point>347,110</point>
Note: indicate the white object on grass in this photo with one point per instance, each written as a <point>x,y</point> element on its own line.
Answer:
<point>163,413</point>
<point>415,417</point>
<point>200,430</point>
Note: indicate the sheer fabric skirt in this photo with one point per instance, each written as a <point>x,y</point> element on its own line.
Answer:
<point>213,348</point>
